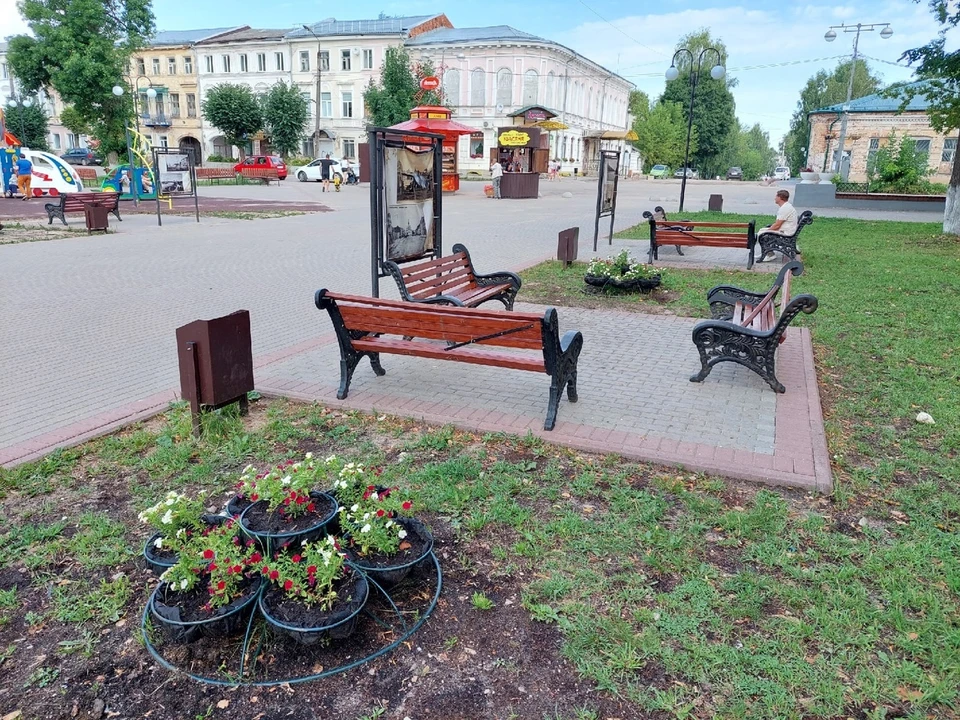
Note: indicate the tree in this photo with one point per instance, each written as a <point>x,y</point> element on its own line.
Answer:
<point>29,124</point>
<point>749,149</point>
<point>714,109</point>
<point>390,101</point>
<point>940,72</point>
<point>285,117</point>
<point>80,49</point>
<point>662,136</point>
<point>235,111</point>
<point>823,89</point>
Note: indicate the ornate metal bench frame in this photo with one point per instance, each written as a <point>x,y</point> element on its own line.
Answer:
<point>57,209</point>
<point>771,242</point>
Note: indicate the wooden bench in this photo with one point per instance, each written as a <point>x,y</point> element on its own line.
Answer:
<point>217,174</point>
<point>461,334</point>
<point>264,175</point>
<point>771,242</point>
<point>747,328</point>
<point>701,234</point>
<point>75,203</point>
<point>451,280</point>
<point>86,173</point>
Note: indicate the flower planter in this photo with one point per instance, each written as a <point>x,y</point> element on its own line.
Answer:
<point>271,530</point>
<point>159,560</point>
<point>236,505</point>
<point>308,625</point>
<point>642,284</point>
<point>809,178</point>
<point>180,615</point>
<point>387,571</point>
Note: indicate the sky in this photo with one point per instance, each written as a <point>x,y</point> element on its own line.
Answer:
<point>628,37</point>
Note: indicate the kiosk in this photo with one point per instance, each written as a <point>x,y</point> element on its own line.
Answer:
<point>436,119</point>
<point>524,153</point>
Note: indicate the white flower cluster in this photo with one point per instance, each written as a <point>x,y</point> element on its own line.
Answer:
<point>166,505</point>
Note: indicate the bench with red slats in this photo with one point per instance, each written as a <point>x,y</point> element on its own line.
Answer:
<point>76,203</point>
<point>451,280</point>
<point>701,234</point>
<point>216,173</point>
<point>264,175</point>
<point>366,327</point>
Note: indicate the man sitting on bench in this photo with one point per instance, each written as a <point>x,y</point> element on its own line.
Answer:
<point>786,223</point>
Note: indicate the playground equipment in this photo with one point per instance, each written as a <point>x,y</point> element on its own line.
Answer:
<point>51,175</point>
<point>144,182</point>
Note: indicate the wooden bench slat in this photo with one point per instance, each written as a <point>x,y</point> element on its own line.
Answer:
<point>419,271</point>
<point>674,223</point>
<point>437,352</point>
<point>681,233</point>
<point>435,309</point>
<point>455,278</point>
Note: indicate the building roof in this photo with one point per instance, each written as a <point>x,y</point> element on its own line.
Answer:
<point>475,34</point>
<point>384,26</point>
<point>245,33</point>
<point>881,103</point>
<point>187,37</point>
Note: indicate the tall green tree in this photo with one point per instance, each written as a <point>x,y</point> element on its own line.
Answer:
<point>29,124</point>
<point>80,49</point>
<point>662,135</point>
<point>235,111</point>
<point>285,115</point>
<point>940,72</point>
<point>714,110</point>
<point>750,150</point>
<point>390,100</point>
<point>823,89</point>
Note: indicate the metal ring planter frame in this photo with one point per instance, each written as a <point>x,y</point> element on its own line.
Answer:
<point>406,633</point>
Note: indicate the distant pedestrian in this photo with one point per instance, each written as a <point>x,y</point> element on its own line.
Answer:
<point>496,170</point>
<point>786,222</point>
<point>325,166</point>
<point>24,175</point>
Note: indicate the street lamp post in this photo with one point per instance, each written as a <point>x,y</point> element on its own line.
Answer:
<point>716,72</point>
<point>316,127</point>
<point>151,93</point>
<point>22,103</point>
<point>885,32</point>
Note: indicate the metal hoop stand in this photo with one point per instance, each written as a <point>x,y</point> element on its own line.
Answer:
<point>428,566</point>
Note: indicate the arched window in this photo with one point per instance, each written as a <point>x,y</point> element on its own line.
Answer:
<point>478,94</point>
<point>551,90</point>
<point>531,87</point>
<point>563,150</point>
<point>451,88</point>
<point>504,87</point>
<point>575,105</point>
<point>589,110</point>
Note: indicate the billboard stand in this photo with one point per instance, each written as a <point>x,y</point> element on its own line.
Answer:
<point>607,191</point>
<point>176,173</point>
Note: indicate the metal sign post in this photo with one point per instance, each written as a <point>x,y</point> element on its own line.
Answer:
<point>607,184</point>
<point>175,170</point>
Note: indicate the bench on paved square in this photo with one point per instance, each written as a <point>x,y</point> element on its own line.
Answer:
<point>442,332</point>
<point>771,242</point>
<point>700,234</point>
<point>76,202</point>
<point>451,280</point>
<point>264,175</point>
<point>86,173</point>
<point>747,328</point>
<point>217,174</point>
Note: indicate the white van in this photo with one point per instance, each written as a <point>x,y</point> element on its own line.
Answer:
<point>781,173</point>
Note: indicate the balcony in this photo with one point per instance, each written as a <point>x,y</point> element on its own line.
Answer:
<point>158,121</point>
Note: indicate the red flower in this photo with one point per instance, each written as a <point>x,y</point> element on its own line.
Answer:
<point>287,501</point>
<point>289,462</point>
<point>295,558</point>
<point>221,585</point>
<point>236,540</point>
<point>288,584</point>
<point>254,497</point>
<point>208,554</point>
<point>312,570</point>
<point>274,574</point>
<point>266,569</point>
<point>380,512</point>
<point>237,568</point>
<point>301,500</point>
<point>311,507</point>
<point>407,505</point>
<point>211,567</point>
<point>256,557</point>
<point>371,488</point>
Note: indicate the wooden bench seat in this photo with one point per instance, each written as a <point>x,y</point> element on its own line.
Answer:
<point>747,328</point>
<point>217,173</point>
<point>442,332</point>
<point>706,234</point>
<point>264,175</point>
<point>75,203</point>
<point>451,280</point>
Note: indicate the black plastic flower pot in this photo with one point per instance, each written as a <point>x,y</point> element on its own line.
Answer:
<point>271,540</point>
<point>157,560</point>
<point>224,621</point>
<point>336,624</point>
<point>236,505</point>
<point>386,574</point>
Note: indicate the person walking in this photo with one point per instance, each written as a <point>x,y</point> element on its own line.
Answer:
<point>785,224</point>
<point>24,175</point>
<point>325,166</point>
<point>496,170</point>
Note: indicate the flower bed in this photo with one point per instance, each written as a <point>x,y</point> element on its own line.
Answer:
<point>623,272</point>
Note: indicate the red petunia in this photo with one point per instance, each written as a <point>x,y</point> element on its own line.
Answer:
<point>288,584</point>
<point>208,554</point>
<point>287,501</point>
<point>254,497</point>
<point>274,574</point>
<point>380,512</point>
<point>407,505</point>
<point>266,569</point>
<point>371,488</point>
<point>237,568</point>
<point>221,585</point>
<point>295,558</point>
<point>256,557</point>
<point>301,500</point>
<point>211,567</point>
<point>311,507</point>
<point>312,570</point>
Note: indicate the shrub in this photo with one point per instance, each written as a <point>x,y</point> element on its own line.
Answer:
<point>899,167</point>
<point>220,158</point>
<point>298,160</point>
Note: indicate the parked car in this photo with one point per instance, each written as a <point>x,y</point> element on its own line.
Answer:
<point>659,171</point>
<point>263,161</point>
<point>691,173</point>
<point>734,173</point>
<point>312,171</point>
<point>80,156</point>
<point>781,173</point>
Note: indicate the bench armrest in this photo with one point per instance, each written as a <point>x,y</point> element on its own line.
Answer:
<point>504,276</point>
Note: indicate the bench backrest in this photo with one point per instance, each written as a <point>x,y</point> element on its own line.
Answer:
<point>215,172</point>
<point>86,173</point>
<point>438,276</point>
<point>670,232</point>
<point>76,201</point>
<point>448,324</point>
<point>259,172</point>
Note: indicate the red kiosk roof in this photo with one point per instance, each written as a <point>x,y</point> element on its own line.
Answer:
<point>434,119</point>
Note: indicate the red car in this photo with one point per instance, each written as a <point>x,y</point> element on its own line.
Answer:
<point>263,161</point>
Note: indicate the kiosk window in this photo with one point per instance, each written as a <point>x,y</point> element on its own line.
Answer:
<point>476,145</point>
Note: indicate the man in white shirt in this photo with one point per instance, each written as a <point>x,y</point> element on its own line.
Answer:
<point>786,223</point>
<point>497,171</point>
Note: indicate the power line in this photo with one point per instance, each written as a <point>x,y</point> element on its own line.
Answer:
<point>887,62</point>
<point>629,37</point>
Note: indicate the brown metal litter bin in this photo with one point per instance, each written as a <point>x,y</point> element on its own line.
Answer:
<point>715,204</point>
<point>96,216</point>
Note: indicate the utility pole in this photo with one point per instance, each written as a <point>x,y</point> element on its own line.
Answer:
<point>316,125</point>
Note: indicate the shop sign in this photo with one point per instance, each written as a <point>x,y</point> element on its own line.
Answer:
<point>431,82</point>
<point>514,138</point>
<point>437,116</point>
<point>535,114</point>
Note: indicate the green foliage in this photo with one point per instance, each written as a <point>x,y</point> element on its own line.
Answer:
<point>390,101</point>
<point>823,89</point>
<point>481,601</point>
<point>235,111</point>
<point>285,114</point>
<point>80,48</point>
<point>899,167</point>
<point>29,124</point>
<point>220,158</point>
<point>750,150</point>
<point>662,135</point>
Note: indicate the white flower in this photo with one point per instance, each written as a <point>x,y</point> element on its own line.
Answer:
<point>248,468</point>
<point>402,534</point>
<point>389,523</point>
<point>181,532</point>
<point>309,456</point>
<point>354,508</point>
<point>158,543</point>
<point>366,516</point>
<point>285,481</point>
<point>365,528</point>
<point>303,543</point>
<point>171,501</point>
<point>183,584</point>
<point>167,517</point>
<point>142,516</point>
<point>330,458</point>
<point>331,540</point>
<point>172,494</point>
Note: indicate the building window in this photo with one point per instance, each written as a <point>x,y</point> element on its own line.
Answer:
<point>156,66</point>
<point>3,71</point>
<point>144,107</point>
<point>531,87</point>
<point>208,62</point>
<point>174,105</point>
<point>261,62</point>
<point>368,59</point>
<point>141,67</point>
<point>171,66</point>
<point>872,153</point>
<point>244,65</point>
<point>191,105</point>
<point>164,142</point>
<point>478,94</point>
<point>304,61</point>
<point>504,87</point>
<point>451,87</point>
<point>159,105</point>
<point>325,61</point>
<point>923,147</point>
<point>476,145</point>
<point>188,64</point>
<point>344,59</point>
<point>346,101</point>
<point>56,141</point>
<point>551,84</point>
<point>349,148</point>
<point>225,59</point>
<point>306,147</point>
<point>949,150</point>
<point>279,58</point>
<point>326,105</point>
